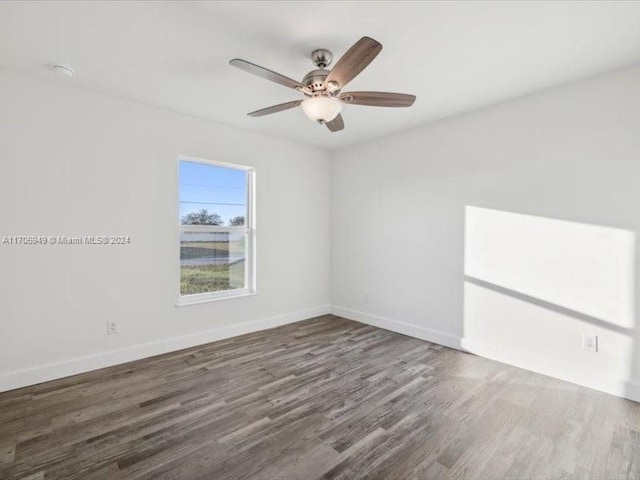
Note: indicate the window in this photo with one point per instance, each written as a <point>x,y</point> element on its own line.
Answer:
<point>217,235</point>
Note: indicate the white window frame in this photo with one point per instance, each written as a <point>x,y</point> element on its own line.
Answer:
<point>247,229</point>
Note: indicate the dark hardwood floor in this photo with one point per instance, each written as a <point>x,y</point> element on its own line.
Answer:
<point>325,398</point>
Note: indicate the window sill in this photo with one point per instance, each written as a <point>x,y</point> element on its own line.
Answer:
<point>192,300</point>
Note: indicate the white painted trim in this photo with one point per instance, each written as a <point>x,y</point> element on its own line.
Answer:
<point>397,326</point>
<point>617,387</point>
<point>197,299</point>
<point>215,163</point>
<point>52,371</point>
<point>537,364</point>
<point>632,390</point>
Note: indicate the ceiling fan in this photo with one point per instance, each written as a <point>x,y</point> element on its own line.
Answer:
<point>323,88</point>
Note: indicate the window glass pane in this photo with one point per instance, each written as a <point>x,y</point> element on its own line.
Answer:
<point>211,261</point>
<point>212,195</point>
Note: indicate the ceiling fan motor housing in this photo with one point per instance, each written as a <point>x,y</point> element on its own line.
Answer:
<point>315,80</point>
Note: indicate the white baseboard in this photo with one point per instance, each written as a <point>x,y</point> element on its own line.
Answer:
<point>52,371</point>
<point>632,390</point>
<point>537,364</point>
<point>74,366</point>
<point>397,326</point>
<point>619,388</point>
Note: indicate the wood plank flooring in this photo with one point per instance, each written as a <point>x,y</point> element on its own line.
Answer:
<point>326,398</point>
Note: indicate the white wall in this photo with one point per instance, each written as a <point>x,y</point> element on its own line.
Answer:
<point>77,163</point>
<point>588,269</point>
<point>398,229</point>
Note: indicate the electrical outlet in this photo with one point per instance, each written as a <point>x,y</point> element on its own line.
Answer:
<point>590,343</point>
<point>365,299</point>
<point>112,327</point>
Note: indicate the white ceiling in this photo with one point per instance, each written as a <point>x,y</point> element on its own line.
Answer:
<point>455,56</point>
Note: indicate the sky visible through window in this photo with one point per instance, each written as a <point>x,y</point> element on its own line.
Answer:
<point>216,189</point>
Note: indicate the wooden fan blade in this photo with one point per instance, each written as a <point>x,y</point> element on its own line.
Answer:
<point>265,73</point>
<point>275,109</point>
<point>354,61</point>
<point>336,124</point>
<point>378,99</point>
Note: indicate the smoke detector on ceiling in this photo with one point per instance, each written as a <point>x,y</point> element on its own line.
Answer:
<point>63,70</point>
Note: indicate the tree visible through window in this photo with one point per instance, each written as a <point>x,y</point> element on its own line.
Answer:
<point>216,235</point>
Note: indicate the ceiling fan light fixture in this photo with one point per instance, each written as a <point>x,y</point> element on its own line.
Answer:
<point>321,108</point>
<point>323,87</point>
